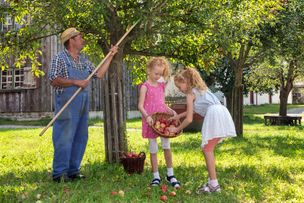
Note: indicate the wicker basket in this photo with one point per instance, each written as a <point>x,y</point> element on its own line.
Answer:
<point>165,116</point>
<point>133,164</point>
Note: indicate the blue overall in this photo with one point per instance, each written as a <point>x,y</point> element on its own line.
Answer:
<point>70,130</point>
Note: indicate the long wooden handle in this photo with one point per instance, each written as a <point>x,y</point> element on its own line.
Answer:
<point>89,77</point>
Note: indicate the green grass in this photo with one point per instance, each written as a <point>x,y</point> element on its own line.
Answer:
<point>132,123</point>
<point>264,166</point>
<point>268,108</point>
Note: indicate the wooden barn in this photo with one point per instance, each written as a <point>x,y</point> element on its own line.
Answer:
<point>24,96</point>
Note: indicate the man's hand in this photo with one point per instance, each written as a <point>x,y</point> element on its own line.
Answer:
<point>113,50</point>
<point>81,83</point>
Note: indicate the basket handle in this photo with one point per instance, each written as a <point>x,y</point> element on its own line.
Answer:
<point>142,154</point>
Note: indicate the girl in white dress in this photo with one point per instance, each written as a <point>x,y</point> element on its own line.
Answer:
<point>217,124</point>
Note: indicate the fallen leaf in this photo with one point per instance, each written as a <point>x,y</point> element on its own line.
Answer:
<point>121,193</point>
<point>38,196</point>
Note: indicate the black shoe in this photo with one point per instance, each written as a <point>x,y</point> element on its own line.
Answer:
<point>77,177</point>
<point>63,178</point>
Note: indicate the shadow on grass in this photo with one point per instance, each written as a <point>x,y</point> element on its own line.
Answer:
<point>279,145</point>
<point>253,119</point>
<point>103,178</point>
<point>283,145</point>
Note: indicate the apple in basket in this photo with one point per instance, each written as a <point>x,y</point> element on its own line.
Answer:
<point>163,126</point>
<point>131,155</point>
<point>157,125</point>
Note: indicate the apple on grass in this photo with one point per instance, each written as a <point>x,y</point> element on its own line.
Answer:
<point>164,188</point>
<point>114,193</point>
<point>163,198</point>
<point>172,193</point>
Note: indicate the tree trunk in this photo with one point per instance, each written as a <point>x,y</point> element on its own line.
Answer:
<point>287,86</point>
<point>283,102</point>
<point>114,111</point>
<point>237,109</point>
<point>228,96</point>
<point>237,98</point>
<point>237,90</point>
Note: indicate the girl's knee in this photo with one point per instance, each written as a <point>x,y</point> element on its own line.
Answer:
<point>165,143</point>
<point>209,147</point>
<point>153,146</point>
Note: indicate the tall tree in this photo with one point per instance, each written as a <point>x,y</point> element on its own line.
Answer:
<point>284,48</point>
<point>236,30</point>
<point>103,23</point>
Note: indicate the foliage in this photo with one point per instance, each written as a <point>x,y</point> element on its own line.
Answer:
<point>264,77</point>
<point>194,33</point>
<point>282,49</point>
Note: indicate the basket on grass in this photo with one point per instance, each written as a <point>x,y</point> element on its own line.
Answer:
<point>162,123</point>
<point>132,162</point>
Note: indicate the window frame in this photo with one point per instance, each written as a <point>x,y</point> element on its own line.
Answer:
<point>11,73</point>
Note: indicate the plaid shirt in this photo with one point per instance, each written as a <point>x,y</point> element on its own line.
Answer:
<point>60,63</point>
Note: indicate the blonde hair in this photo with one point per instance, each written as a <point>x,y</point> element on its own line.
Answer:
<point>162,62</point>
<point>192,78</point>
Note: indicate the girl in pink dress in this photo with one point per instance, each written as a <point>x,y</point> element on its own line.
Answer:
<point>152,100</point>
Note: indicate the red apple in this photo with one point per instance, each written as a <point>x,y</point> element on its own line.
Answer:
<point>166,132</point>
<point>174,123</point>
<point>163,198</point>
<point>164,188</point>
<point>172,193</point>
<point>114,193</point>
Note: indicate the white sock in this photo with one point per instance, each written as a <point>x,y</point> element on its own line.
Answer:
<point>156,175</point>
<point>213,183</point>
<point>170,172</point>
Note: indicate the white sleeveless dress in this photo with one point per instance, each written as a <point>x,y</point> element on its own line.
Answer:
<point>218,122</point>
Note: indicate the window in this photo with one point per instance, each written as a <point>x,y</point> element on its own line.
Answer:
<point>13,78</point>
<point>8,23</point>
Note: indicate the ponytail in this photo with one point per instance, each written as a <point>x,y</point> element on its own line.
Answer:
<point>192,77</point>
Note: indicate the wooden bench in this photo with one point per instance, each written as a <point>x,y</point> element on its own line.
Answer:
<point>282,120</point>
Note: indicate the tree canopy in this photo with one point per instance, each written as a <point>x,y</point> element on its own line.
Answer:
<point>207,34</point>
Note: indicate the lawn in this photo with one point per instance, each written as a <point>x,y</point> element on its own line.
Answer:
<point>264,166</point>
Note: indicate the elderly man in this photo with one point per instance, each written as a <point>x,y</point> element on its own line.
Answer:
<point>68,71</point>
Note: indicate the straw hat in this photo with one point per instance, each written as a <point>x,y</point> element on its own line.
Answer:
<point>68,33</point>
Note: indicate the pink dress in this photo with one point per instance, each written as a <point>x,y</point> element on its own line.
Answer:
<point>154,102</point>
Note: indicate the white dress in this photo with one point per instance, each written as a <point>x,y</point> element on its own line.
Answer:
<point>218,122</point>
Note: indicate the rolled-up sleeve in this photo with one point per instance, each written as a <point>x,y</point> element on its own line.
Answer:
<point>57,68</point>
<point>90,66</point>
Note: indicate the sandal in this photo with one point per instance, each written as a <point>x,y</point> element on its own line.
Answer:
<point>155,182</point>
<point>206,188</point>
<point>174,183</point>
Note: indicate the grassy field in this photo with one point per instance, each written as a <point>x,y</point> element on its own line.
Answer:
<point>264,166</point>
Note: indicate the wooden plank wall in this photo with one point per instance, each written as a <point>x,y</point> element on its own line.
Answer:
<point>31,100</point>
